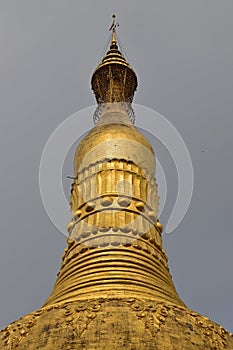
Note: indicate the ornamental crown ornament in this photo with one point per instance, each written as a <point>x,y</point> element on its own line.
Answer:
<point>114,80</point>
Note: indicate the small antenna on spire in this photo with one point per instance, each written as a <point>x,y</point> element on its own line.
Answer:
<point>114,24</point>
<point>113,29</point>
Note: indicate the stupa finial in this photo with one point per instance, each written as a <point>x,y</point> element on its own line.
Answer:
<point>113,27</point>
<point>114,79</point>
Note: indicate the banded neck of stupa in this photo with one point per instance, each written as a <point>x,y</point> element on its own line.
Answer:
<point>115,244</point>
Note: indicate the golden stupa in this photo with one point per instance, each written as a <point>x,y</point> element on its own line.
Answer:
<point>114,289</point>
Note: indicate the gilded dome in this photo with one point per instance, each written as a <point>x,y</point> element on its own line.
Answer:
<point>109,140</point>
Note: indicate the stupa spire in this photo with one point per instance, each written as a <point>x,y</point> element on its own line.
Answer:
<point>113,27</point>
<point>114,80</point>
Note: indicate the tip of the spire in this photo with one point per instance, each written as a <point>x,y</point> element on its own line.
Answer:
<point>113,30</point>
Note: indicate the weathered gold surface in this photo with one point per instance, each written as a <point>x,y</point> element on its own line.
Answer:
<point>114,289</point>
<point>113,323</point>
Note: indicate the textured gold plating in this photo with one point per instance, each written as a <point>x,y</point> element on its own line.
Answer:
<point>147,324</point>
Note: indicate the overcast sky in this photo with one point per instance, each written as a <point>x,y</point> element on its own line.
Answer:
<point>182,52</point>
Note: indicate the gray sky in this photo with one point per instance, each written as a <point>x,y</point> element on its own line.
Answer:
<point>182,53</point>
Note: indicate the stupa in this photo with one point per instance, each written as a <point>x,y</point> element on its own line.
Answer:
<point>114,289</point>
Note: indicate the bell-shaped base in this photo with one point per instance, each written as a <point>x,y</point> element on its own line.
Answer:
<point>106,323</point>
